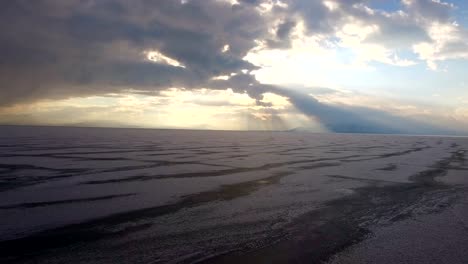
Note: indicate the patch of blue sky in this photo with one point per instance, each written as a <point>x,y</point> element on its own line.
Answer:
<point>386,5</point>
<point>461,12</point>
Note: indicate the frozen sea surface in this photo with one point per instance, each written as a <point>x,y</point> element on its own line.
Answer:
<point>95,195</point>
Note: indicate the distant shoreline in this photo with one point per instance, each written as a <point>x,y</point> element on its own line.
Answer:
<point>227,130</point>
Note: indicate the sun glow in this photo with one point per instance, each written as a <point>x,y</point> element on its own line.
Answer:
<point>158,57</point>
<point>171,108</point>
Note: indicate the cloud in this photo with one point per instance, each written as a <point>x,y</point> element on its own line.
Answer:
<point>430,9</point>
<point>358,119</point>
<point>78,48</point>
<point>448,41</point>
<point>63,49</point>
<point>53,49</point>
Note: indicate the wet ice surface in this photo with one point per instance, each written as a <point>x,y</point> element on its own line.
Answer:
<point>83,195</point>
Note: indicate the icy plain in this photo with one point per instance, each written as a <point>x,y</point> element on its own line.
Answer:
<point>99,195</point>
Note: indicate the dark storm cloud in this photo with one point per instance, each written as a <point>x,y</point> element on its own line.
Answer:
<point>351,119</point>
<point>74,48</point>
<point>57,49</point>
<point>282,36</point>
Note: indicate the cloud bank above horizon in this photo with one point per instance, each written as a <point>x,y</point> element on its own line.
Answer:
<point>329,65</point>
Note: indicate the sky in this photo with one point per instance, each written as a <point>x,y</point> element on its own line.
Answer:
<point>358,66</point>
